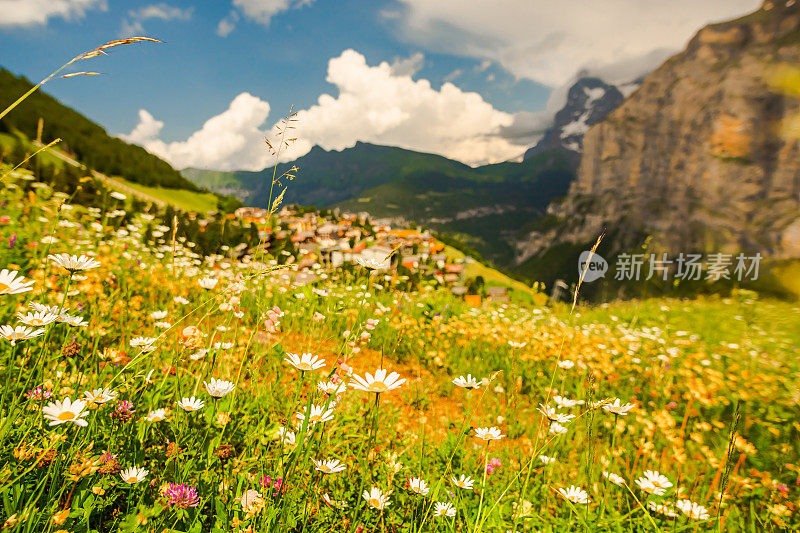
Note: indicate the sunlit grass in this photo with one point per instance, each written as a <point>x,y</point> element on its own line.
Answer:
<point>162,322</point>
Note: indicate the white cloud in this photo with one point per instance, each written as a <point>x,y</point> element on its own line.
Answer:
<point>227,25</point>
<point>408,66</point>
<point>146,130</point>
<point>374,104</point>
<point>31,12</point>
<point>548,41</point>
<point>262,11</point>
<point>231,140</point>
<point>132,24</point>
<point>162,11</point>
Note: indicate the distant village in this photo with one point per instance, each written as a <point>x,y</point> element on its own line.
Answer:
<point>333,239</point>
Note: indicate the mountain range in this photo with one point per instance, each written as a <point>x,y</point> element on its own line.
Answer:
<point>484,208</point>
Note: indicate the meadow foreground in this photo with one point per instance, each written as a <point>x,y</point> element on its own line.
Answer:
<point>147,388</point>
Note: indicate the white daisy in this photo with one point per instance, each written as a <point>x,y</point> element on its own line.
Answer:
<point>566,403</point>
<point>463,482</point>
<point>60,412</point>
<point>575,494</point>
<point>42,308</point>
<point>318,414</point>
<point>191,404</point>
<point>11,284</point>
<point>19,333</point>
<point>37,318</point>
<point>219,388</point>
<point>618,408</point>
<point>377,499</point>
<point>692,510</point>
<point>133,475</point>
<point>74,263</point>
<point>468,382</point>
<point>488,434</point>
<point>553,416</point>
<point>418,486</point>
<point>653,483</point>
<point>100,396</point>
<point>74,321</point>
<point>444,509</point>
<point>305,362</point>
<point>329,387</point>
<point>380,382</point>
<point>614,478</point>
<point>156,416</point>
<point>331,466</point>
<point>145,343</point>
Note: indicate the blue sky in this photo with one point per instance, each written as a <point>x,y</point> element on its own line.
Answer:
<point>265,55</point>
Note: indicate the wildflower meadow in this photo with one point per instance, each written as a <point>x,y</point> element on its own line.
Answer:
<point>149,387</point>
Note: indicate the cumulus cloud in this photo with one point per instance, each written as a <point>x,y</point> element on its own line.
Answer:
<point>146,130</point>
<point>31,12</point>
<point>374,104</point>
<point>231,140</point>
<point>132,24</point>
<point>548,41</point>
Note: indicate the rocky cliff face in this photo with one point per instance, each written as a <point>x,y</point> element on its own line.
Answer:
<point>695,156</point>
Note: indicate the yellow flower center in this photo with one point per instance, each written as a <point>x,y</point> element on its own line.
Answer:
<point>375,502</point>
<point>66,415</point>
<point>4,287</point>
<point>304,366</point>
<point>36,322</point>
<point>315,418</point>
<point>378,386</point>
<point>132,479</point>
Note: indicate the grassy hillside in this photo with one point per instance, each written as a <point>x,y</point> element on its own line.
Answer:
<point>198,202</point>
<point>89,142</point>
<point>15,147</point>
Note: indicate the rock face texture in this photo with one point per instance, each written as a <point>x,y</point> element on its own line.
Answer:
<point>696,157</point>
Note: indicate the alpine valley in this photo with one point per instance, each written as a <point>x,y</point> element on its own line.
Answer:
<point>702,154</point>
<point>485,209</point>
